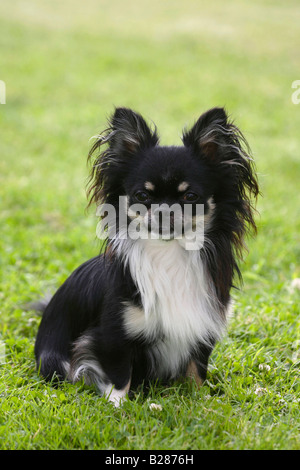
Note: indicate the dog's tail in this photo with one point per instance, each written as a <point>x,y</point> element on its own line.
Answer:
<point>39,305</point>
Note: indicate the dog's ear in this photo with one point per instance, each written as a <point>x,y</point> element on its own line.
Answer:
<point>130,132</point>
<point>209,135</point>
<point>219,142</point>
<point>126,135</point>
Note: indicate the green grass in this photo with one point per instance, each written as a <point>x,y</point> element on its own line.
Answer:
<point>65,65</point>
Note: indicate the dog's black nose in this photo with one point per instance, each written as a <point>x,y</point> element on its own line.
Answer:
<point>164,218</point>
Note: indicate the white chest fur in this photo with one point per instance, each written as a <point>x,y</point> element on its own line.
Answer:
<point>179,305</point>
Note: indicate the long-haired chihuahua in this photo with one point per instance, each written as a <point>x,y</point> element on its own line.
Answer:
<point>153,305</point>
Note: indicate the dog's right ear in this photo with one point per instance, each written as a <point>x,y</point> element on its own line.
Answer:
<point>130,132</point>
<point>126,135</point>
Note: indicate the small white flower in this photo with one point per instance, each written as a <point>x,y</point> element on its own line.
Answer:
<point>281,401</point>
<point>260,391</point>
<point>264,367</point>
<point>154,406</point>
<point>295,283</point>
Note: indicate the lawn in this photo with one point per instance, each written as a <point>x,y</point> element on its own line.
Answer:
<point>66,64</point>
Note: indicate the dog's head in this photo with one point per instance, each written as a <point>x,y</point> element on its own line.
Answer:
<point>209,179</point>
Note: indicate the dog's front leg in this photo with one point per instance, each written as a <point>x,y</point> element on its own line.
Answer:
<point>197,367</point>
<point>116,395</point>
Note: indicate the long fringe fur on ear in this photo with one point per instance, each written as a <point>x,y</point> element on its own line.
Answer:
<point>242,163</point>
<point>235,200</point>
<point>127,132</point>
<point>238,155</point>
<point>223,146</point>
<point>96,186</point>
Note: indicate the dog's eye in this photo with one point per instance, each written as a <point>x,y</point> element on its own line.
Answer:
<point>190,197</point>
<point>141,196</point>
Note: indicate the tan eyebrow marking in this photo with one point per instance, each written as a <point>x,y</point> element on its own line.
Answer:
<point>150,186</point>
<point>183,186</point>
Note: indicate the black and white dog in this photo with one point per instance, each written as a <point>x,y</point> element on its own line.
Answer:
<point>153,305</point>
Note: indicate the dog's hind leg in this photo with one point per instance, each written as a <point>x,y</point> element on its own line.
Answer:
<point>102,362</point>
<point>52,348</point>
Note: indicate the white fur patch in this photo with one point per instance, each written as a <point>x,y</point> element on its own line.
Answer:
<point>86,366</point>
<point>114,395</point>
<point>179,302</point>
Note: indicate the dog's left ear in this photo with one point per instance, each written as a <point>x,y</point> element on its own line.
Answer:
<point>219,142</point>
<point>209,135</point>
